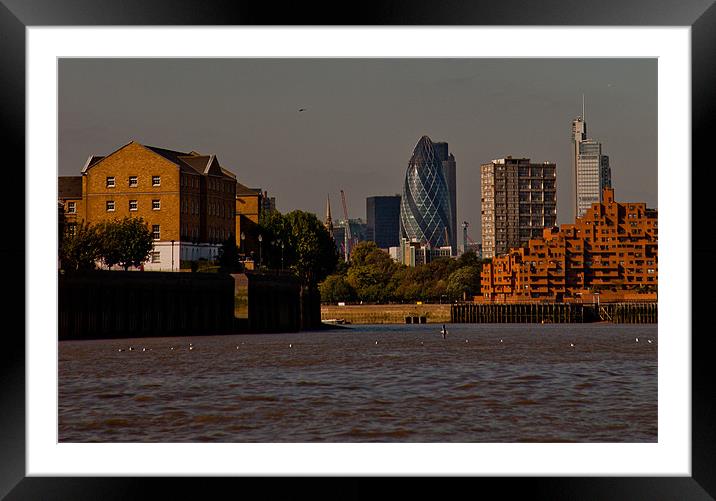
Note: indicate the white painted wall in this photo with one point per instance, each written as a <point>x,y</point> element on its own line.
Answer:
<point>183,251</point>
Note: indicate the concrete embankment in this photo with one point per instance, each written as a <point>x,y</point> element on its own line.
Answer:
<point>492,313</point>
<point>387,313</point>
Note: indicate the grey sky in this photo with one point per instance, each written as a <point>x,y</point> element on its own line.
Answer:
<point>363,117</point>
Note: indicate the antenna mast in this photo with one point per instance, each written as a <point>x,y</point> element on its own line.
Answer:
<point>584,119</point>
<point>348,239</point>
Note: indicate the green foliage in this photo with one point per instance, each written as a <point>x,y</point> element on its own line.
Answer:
<point>464,283</point>
<point>342,267</point>
<point>81,250</point>
<point>308,249</point>
<point>376,278</point>
<point>370,272</point>
<point>335,288</point>
<point>126,242</point>
<point>469,258</point>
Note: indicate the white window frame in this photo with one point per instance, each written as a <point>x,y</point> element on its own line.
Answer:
<point>158,203</point>
<point>136,181</point>
<point>136,205</point>
<point>71,207</point>
<point>158,232</point>
<point>110,182</point>
<point>159,180</point>
<point>107,206</point>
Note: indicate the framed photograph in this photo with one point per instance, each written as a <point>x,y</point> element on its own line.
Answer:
<point>422,111</point>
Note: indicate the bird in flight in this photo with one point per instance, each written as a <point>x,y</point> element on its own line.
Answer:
<point>302,109</point>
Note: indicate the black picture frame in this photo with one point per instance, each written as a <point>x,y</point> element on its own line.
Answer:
<point>16,15</point>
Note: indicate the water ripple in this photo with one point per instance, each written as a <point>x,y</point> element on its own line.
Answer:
<point>339,386</point>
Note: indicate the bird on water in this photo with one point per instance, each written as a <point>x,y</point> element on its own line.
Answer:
<point>444,332</point>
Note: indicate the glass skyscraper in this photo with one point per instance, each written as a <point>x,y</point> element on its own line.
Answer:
<point>425,205</point>
<point>449,168</point>
<point>383,215</point>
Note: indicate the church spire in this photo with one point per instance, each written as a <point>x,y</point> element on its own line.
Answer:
<point>329,221</point>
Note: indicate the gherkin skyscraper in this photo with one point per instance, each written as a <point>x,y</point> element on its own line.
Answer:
<point>425,206</point>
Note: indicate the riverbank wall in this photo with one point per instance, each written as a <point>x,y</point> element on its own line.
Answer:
<point>116,304</point>
<point>387,313</point>
<point>623,313</point>
<point>119,304</point>
<point>635,313</point>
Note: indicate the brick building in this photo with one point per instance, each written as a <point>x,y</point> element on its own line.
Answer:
<point>187,199</point>
<point>71,203</point>
<point>611,250</point>
<point>248,213</point>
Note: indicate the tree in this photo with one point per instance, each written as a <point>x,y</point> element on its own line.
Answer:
<point>335,288</point>
<point>464,283</point>
<point>81,249</point>
<point>370,272</point>
<point>469,258</point>
<point>309,250</point>
<point>125,242</point>
<point>229,256</point>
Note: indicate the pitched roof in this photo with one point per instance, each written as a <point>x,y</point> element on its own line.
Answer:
<point>93,159</point>
<point>228,173</point>
<point>69,187</point>
<point>196,162</point>
<point>175,157</point>
<point>245,190</point>
<point>192,162</point>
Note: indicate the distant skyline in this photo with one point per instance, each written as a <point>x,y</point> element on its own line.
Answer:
<point>362,118</point>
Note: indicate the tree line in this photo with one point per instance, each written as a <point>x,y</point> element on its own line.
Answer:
<point>298,243</point>
<point>371,276</point>
<point>124,242</point>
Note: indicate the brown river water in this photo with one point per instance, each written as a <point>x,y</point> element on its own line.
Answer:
<point>483,383</point>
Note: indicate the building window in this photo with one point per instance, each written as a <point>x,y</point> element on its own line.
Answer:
<point>110,205</point>
<point>133,205</point>
<point>133,182</point>
<point>155,232</point>
<point>71,229</point>
<point>155,257</point>
<point>71,207</point>
<point>110,181</point>
<point>156,205</point>
<point>156,181</point>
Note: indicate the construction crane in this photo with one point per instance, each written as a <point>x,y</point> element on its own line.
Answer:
<point>347,238</point>
<point>465,236</point>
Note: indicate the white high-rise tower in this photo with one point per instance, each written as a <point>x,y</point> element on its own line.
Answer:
<point>591,168</point>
